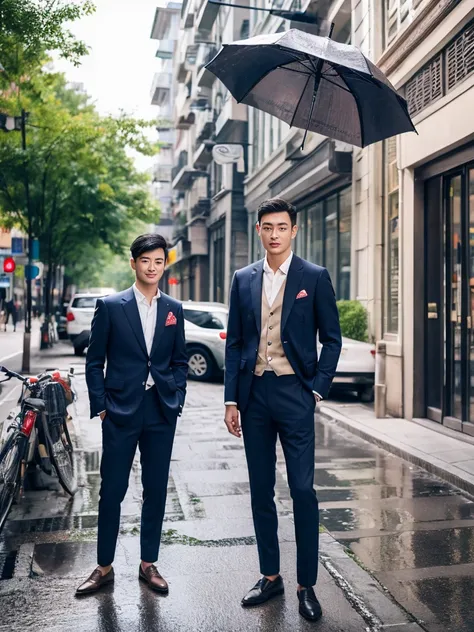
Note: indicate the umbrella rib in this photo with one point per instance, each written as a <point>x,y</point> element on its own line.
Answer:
<point>336,84</point>
<point>299,101</point>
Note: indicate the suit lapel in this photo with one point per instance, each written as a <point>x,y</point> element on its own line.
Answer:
<point>130,307</point>
<point>256,280</point>
<point>163,309</point>
<point>293,282</point>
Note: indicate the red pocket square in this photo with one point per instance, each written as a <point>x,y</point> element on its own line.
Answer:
<point>302,294</point>
<point>171,320</point>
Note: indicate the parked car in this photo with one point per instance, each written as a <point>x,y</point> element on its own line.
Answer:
<point>205,327</point>
<point>356,369</point>
<point>79,317</point>
<point>61,321</point>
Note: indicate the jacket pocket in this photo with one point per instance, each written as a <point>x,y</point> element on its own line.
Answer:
<point>113,385</point>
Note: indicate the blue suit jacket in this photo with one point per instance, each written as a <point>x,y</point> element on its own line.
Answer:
<point>302,320</point>
<point>117,336</point>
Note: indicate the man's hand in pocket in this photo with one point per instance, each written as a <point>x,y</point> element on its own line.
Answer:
<point>102,415</point>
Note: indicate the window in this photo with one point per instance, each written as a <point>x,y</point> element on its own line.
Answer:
<point>218,253</point>
<point>85,302</point>
<point>397,15</point>
<point>442,73</point>
<point>254,138</point>
<point>207,320</point>
<point>392,236</point>
<point>329,223</point>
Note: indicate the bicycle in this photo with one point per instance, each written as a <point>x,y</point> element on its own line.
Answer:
<point>39,434</point>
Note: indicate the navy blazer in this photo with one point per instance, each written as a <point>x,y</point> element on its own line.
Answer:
<point>117,336</point>
<point>302,319</point>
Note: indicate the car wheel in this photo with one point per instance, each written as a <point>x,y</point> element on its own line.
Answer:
<point>201,364</point>
<point>366,394</point>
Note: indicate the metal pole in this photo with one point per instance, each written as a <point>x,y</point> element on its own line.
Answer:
<point>27,335</point>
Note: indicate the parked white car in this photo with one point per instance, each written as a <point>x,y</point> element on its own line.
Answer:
<point>205,326</point>
<point>355,369</point>
<point>79,316</point>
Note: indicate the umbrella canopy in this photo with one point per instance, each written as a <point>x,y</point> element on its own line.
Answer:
<point>313,83</point>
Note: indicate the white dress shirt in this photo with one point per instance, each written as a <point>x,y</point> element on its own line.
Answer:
<point>272,283</point>
<point>148,319</point>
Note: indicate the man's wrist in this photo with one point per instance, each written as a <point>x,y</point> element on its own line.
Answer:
<point>318,396</point>
<point>230,403</point>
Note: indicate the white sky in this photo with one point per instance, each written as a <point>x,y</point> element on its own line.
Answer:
<point>119,70</point>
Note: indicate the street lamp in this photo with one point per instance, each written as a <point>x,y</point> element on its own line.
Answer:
<point>10,124</point>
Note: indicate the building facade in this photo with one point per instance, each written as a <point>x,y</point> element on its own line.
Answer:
<point>419,197</point>
<point>209,237</point>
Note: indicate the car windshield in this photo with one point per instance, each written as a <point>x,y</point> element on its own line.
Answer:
<point>84,302</point>
<point>207,320</point>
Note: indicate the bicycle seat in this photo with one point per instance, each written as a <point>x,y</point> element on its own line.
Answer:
<point>35,403</point>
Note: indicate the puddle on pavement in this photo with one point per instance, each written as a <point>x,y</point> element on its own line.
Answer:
<point>406,520</point>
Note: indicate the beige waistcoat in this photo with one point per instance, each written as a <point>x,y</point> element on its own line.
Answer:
<point>271,356</point>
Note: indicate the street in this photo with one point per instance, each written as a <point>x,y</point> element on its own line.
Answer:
<point>412,531</point>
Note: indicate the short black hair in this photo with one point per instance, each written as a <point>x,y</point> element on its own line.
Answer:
<point>276,205</point>
<point>147,243</point>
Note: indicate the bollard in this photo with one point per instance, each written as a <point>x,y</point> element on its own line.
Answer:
<point>380,389</point>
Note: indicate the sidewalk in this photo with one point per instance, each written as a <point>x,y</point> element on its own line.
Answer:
<point>427,444</point>
<point>208,549</point>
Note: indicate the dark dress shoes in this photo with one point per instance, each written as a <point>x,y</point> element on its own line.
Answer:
<point>310,607</point>
<point>263,590</point>
<point>95,582</point>
<point>154,580</point>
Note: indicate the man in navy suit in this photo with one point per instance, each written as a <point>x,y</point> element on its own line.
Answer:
<point>140,334</point>
<point>278,308</point>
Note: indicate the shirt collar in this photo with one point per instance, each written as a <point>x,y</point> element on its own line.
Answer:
<point>285,266</point>
<point>141,298</point>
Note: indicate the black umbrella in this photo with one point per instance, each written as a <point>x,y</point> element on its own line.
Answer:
<point>313,83</point>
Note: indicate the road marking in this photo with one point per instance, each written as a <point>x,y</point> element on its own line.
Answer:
<point>8,398</point>
<point>10,356</point>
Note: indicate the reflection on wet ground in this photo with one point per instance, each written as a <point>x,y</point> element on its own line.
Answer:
<point>414,532</point>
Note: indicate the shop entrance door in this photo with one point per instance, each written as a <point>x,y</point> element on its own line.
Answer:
<point>449,353</point>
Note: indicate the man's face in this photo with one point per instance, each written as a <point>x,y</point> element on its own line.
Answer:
<point>276,232</point>
<point>150,266</point>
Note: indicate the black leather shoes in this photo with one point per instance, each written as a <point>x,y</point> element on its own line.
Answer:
<point>263,590</point>
<point>310,607</point>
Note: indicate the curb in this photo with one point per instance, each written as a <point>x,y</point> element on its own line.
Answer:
<point>364,593</point>
<point>439,468</point>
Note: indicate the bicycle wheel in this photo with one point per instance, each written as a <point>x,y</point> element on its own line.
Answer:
<point>10,464</point>
<point>61,453</point>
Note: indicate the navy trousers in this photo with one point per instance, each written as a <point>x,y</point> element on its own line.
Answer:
<point>281,406</point>
<point>154,435</point>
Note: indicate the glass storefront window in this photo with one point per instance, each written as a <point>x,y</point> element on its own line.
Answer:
<point>344,259</point>
<point>392,237</point>
<point>328,238</point>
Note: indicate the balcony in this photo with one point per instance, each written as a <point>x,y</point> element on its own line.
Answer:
<point>162,173</point>
<point>165,19</point>
<point>166,136</point>
<point>202,157</point>
<point>187,14</point>
<point>231,124</point>
<point>185,121</point>
<point>205,79</point>
<point>206,16</point>
<point>165,49</point>
<point>161,88</point>
<point>201,98</point>
<point>205,126</point>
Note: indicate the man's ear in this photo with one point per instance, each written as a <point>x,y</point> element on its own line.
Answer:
<point>133,265</point>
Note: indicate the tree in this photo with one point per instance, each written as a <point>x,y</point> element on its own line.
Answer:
<point>30,28</point>
<point>84,190</point>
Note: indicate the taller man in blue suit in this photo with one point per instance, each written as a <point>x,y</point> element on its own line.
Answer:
<point>140,333</point>
<point>278,308</point>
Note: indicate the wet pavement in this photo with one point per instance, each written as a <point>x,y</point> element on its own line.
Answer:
<point>412,531</point>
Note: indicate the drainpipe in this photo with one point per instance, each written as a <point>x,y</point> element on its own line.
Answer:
<point>380,388</point>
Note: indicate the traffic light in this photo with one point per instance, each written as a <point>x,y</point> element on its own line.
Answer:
<point>9,265</point>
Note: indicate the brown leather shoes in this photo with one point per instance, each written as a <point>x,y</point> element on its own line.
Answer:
<point>152,577</point>
<point>95,582</point>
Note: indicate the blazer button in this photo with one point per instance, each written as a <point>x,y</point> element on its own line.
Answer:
<point>143,383</point>
<point>149,363</point>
